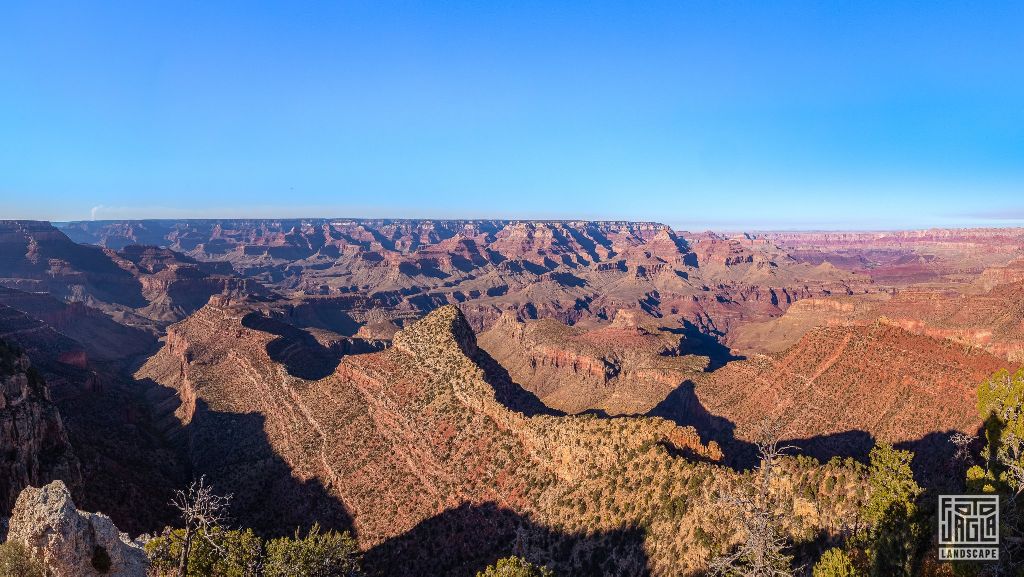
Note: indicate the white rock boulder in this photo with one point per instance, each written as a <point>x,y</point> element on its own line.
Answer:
<point>73,543</point>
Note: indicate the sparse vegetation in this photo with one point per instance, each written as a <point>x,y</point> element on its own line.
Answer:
<point>210,549</point>
<point>1001,405</point>
<point>515,567</point>
<point>16,560</point>
<point>835,563</point>
<point>318,554</point>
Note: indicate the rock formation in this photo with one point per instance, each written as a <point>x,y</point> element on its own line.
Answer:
<point>73,543</point>
<point>989,319</point>
<point>96,335</point>
<point>992,321</point>
<point>36,257</point>
<point>175,285</point>
<point>627,367</point>
<point>33,442</point>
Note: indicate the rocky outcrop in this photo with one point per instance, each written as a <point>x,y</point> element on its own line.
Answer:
<point>779,334</point>
<point>994,276</point>
<point>33,442</point>
<point>73,543</point>
<point>627,367</point>
<point>992,321</point>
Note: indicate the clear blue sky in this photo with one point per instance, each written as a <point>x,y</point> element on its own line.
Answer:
<point>712,114</point>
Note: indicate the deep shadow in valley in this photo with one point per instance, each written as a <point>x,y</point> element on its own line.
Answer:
<point>696,342</point>
<point>300,353</point>
<point>507,391</point>
<point>135,453</point>
<point>127,468</point>
<point>933,453</point>
<point>684,408</point>
<point>461,541</point>
<point>233,451</point>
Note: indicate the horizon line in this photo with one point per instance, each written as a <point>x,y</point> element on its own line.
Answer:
<point>728,229</point>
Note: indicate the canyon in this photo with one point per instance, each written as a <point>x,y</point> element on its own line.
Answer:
<point>575,392</point>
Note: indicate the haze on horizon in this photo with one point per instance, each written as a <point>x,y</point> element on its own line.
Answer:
<point>732,115</point>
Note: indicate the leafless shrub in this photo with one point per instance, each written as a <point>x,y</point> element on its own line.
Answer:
<point>761,553</point>
<point>204,513</point>
<point>963,443</point>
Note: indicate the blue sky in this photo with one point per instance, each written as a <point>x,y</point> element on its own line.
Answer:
<point>718,115</point>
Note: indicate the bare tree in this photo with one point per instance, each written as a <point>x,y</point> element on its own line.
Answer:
<point>204,513</point>
<point>963,442</point>
<point>761,552</point>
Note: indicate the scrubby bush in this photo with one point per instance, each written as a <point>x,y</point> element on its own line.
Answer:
<point>515,567</point>
<point>224,554</point>
<point>229,553</point>
<point>835,563</point>
<point>16,560</point>
<point>318,554</point>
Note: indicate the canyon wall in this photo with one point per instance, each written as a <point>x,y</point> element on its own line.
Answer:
<point>32,436</point>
